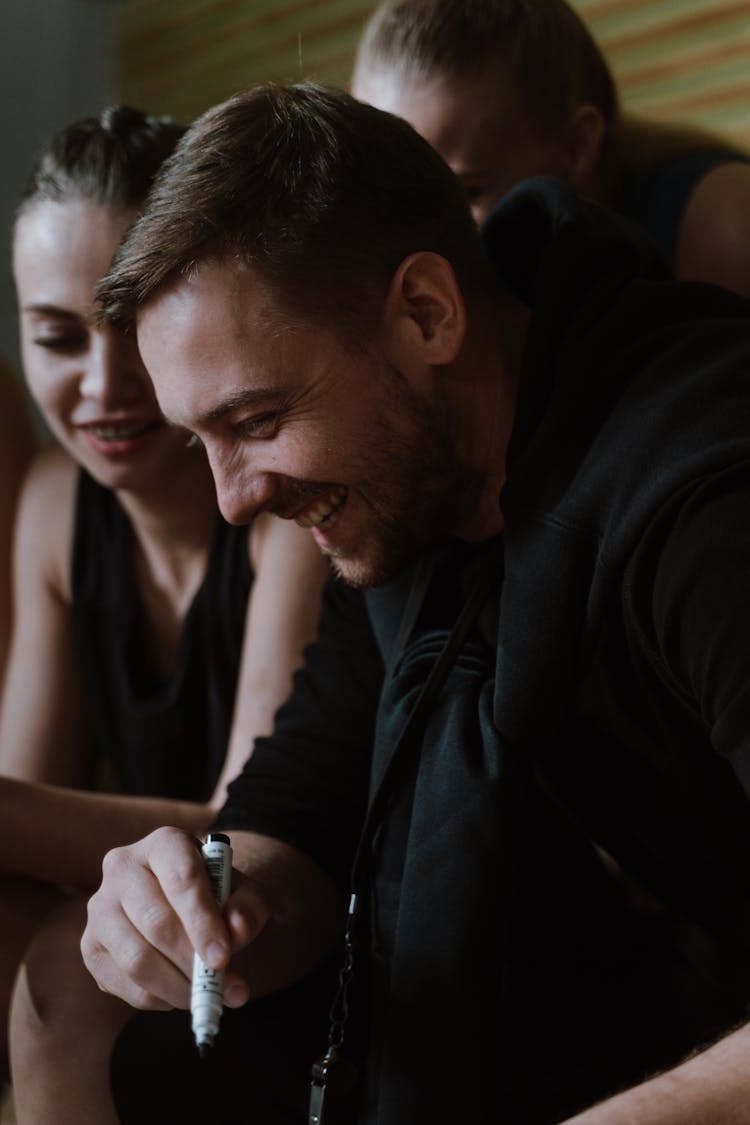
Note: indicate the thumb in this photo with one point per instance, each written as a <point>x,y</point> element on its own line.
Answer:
<point>246,914</point>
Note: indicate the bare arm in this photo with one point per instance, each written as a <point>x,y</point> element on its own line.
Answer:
<point>50,831</point>
<point>713,242</point>
<point>43,732</point>
<point>18,443</point>
<point>155,906</point>
<point>282,617</point>
<point>59,835</point>
<point>710,1088</point>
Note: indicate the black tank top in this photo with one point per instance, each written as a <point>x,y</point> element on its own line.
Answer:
<point>656,197</point>
<point>163,737</point>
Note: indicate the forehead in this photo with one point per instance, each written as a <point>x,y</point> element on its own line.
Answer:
<point>462,118</point>
<point>210,338</point>
<point>62,249</point>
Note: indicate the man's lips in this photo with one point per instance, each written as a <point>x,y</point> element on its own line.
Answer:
<point>323,510</point>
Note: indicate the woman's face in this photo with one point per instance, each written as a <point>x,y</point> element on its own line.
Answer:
<point>87,379</point>
<point>477,125</point>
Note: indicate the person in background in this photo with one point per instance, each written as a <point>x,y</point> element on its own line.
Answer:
<point>153,641</point>
<point>506,89</point>
<point>18,441</point>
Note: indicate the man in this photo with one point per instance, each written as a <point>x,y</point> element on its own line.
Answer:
<point>529,469</point>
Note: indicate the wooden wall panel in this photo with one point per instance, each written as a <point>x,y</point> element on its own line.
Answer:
<point>686,60</point>
<point>180,56</point>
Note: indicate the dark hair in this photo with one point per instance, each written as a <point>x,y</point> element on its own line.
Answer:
<point>110,159</point>
<point>323,195</point>
<point>551,57</point>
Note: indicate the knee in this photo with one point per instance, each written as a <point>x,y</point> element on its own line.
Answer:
<point>52,978</point>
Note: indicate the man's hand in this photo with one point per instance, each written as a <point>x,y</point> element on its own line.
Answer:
<point>153,909</point>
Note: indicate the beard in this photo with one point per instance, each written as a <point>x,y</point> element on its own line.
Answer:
<point>417,486</point>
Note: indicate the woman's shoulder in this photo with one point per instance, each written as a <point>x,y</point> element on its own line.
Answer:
<point>52,476</point>
<point>46,514</point>
<point>691,190</point>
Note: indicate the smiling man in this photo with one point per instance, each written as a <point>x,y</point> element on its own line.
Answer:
<point>301,421</point>
<point>526,455</point>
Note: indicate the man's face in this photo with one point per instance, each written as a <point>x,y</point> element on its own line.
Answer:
<point>351,442</point>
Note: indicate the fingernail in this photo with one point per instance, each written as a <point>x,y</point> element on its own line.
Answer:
<point>236,994</point>
<point>215,955</point>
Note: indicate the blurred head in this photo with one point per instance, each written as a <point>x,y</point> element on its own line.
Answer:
<point>299,282</point>
<point>502,89</point>
<point>87,378</point>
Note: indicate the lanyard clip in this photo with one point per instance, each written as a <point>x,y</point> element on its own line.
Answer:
<point>321,1074</point>
<point>331,1073</point>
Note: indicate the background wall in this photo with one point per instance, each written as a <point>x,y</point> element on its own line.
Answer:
<point>181,56</point>
<point>59,62</point>
<point>686,60</point>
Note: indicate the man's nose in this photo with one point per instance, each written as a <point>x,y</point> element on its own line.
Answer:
<point>241,491</point>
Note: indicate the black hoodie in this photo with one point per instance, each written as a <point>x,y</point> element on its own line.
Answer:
<point>602,698</point>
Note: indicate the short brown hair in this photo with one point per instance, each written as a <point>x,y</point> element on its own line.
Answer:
<point>323,195</point>
<point>549,53</point>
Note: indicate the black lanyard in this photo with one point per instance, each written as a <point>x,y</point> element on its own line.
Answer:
<point>330,1072</point>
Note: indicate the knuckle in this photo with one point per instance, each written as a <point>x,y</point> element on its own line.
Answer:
<point>114,861</point>
<point>93,954</point>
<point>136,965</point>
<point>159,923</point>
<point>182,876</point>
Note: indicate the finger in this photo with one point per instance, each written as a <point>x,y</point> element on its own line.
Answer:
<point>135,944</point>
<point>163,887</point>
<point>246,914</point>
<point>123,965</point>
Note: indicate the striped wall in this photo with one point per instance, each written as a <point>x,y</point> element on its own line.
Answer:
<point>180,56</point>
<point>687,60</point>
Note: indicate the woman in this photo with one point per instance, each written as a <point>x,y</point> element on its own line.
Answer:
<point>506,89</point>
<point>141,614</point>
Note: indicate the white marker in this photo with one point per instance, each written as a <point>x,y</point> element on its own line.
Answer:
<point>208,984</point>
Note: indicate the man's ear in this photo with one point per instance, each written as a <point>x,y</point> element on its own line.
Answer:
<point>585,141</point>
<point>425,301</point>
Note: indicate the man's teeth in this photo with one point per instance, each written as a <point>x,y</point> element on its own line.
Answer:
<point>120,432</point>
<point>324,512</point>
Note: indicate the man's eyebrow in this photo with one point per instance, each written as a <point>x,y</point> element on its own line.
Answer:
<point>251,396</point>
<point>50,310</point>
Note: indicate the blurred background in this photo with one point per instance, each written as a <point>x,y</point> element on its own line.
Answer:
<point>680,60</point>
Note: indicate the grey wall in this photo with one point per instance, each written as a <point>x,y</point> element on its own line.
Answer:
<point>57,63</point>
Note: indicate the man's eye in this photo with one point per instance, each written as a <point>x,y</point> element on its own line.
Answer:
<point>193,441</point>
<point>262,426</point>
<point>69,342</point>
